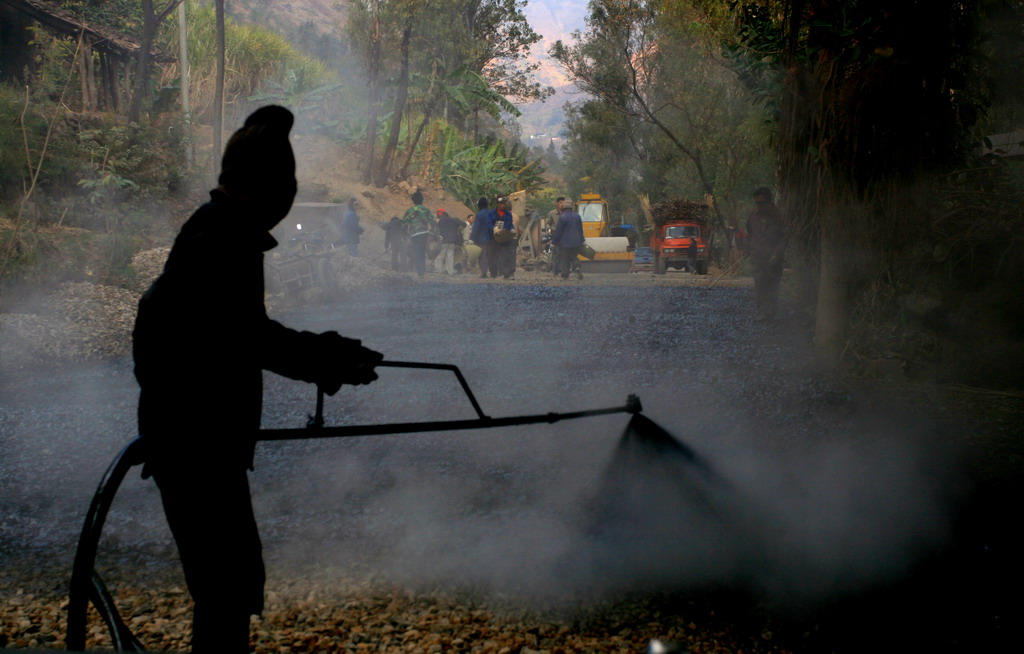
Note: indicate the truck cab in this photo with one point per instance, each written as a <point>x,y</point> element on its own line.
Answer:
<point>679,244</point>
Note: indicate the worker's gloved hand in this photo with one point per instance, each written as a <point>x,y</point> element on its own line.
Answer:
<point>346,361</point>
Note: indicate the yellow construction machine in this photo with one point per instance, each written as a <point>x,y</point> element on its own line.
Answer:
<point>612,249</point>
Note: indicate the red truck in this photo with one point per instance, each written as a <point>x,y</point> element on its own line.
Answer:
<point>679,244</point>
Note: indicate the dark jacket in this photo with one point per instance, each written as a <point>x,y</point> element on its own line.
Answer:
<point>450,230</point>
<point>505,218</point>
<point>766,235</point>
<point>202,339</point>
<point>483,227</point>
<point>568,230</point>
<point>394,233</point>
<point>350,229</point>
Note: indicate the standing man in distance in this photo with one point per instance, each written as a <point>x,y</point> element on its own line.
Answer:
<point>766,244</point>
<point>551,224</point>
<point>505,244</point>
<point>568,238</point>
<point>350,228</point>
<point>419,225</point>
<point>483,236</point>
<point>450,230</point>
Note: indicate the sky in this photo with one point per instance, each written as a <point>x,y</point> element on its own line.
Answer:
<point>553,20</point>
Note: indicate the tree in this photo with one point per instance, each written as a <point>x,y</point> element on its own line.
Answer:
<point>872,105</point>
<point>492,47</point>
<point>620,60</point>
<point>368,28</point>
<point>676,101</point>
<point>151,20</point>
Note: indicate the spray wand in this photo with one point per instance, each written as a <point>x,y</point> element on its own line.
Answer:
<point>86,584</point>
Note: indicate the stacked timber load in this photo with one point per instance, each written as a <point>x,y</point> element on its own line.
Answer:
<point>680,209</point>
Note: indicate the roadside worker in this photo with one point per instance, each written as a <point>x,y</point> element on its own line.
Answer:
<point>505,241</point>
<point>552,218</point>
<point>766,244</point>
<point>200,349</point>
<point>419,225</point>
<point>450,230</point>
<point>396,240</point>
<point>350,229</point>
<point>483,236</point>
<point>552,223</point>
<point>568,238</point>
<point>732,247</point>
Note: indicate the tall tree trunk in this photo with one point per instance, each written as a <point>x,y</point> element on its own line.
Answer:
<point>373,82</point>
<point>403,172</point>
<point>141,87</point>
<point>110,67</point>
<point>396,116</point>
<point>150,22</point>
<point>831,316</point>
<point>87,75</point>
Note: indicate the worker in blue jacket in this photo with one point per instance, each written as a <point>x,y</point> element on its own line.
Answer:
<point>483,235</point>
<point>568,238</point>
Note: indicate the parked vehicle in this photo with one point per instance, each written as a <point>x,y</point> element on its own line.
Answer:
<point>678,236</point>
<point>612,249</point>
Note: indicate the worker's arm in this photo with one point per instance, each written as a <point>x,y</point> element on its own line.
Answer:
<point>327,360</point>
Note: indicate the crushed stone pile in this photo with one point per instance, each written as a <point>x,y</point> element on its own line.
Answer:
<point>147,265</point>
<point>364,617</point>
<point>79,321</point>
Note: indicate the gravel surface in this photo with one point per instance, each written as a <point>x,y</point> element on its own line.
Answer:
<point>819,503</point>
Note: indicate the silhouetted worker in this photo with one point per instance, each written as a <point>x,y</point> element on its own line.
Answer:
<point>567,239</point>
<point>201,341</point>
<point>766,243</point>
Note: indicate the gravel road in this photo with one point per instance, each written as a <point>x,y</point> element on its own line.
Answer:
<point>817,497</point>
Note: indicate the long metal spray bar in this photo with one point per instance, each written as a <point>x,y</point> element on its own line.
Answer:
<point>315,428</point>
<point>86,585</point>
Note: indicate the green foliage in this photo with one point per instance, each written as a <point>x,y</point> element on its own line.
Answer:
<point>259,64</point>
<point>106,187</point>
<point>542,200</point>
<point>62,166</point>
<point>128,161</point>
<point>125,16</point>
<point>470,171</point>
<point>663,117</point>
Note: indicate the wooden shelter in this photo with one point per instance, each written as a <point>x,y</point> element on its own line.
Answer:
<point>105,56</point>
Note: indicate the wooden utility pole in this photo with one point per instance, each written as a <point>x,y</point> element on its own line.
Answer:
<point>218,99</point>
<point>186,107</point>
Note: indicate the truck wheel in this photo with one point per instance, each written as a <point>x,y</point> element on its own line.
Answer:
<point>702,267</point>
<point>659,266</point>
